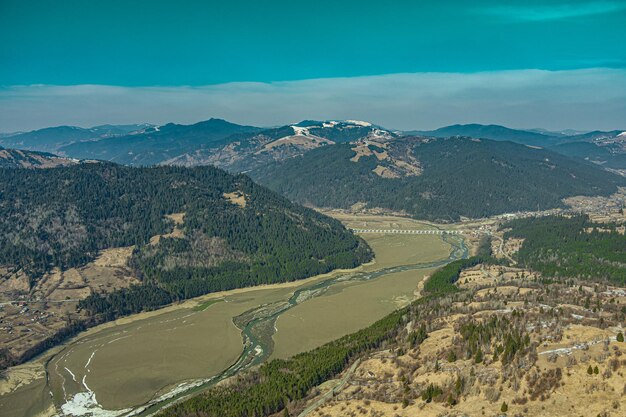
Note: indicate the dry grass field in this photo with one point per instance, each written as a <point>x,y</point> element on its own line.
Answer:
<point>351,306</point>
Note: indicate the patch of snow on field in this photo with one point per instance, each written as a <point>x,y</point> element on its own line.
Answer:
<point>90,358</point>
<point>119,338</point>
<point>71,373</point>
<point>85,404</point>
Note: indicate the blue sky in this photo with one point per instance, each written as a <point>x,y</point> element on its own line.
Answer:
<point>138,45</point>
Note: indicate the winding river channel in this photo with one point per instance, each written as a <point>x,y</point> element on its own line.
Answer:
<point>258,325</point>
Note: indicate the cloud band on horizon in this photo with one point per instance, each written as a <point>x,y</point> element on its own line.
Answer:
<point>584,99</point>
<point>551,12</point>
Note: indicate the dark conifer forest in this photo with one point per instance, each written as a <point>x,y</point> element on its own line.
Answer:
<point>62,217</point>
<point>559,246</point>
<point>460,177</point>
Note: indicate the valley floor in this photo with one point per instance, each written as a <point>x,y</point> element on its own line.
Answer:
<point>133,361</point>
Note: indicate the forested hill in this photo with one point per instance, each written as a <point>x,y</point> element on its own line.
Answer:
<point>572,247</point>
<point>235,233</point>
<point>436,179</point>
<point>14,158</point>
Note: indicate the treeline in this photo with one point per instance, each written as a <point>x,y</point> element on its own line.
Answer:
<point>163,287</point>
<point>573,246</point>
<point>442,280</point>
<point>62,217</point>
<point>460,177</point>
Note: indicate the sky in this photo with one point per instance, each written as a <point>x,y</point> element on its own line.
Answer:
<point>403,64</point>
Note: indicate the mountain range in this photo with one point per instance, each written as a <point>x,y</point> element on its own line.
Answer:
<point>460,170</point>
<point>241,148</point>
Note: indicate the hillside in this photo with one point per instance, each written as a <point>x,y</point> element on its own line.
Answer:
<point>610,156</point>
<point>440,179</point>
<point>181,232</point>
<point>493,132</point>
<point>600,147</point>
<point>14,158</point>
<point>604,148</point>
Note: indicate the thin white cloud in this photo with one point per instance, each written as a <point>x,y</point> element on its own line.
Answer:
<point>576,99</point>
<point>548,12</point>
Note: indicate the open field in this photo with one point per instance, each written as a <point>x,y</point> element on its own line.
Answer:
<point>125,365</point>
<point>343,310</point>
<point>377,221</point>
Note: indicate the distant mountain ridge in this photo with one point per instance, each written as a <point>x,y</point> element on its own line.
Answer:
<point>240,148</point>
<point>157,144</point>
<point>493,132</point>
<point>51,139</point>
<point>607,148</point>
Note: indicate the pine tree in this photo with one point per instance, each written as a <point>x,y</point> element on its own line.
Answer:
<point>479,356</point>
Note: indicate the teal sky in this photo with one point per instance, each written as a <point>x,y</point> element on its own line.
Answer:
<point>403,64</point>
<point>140,43</point>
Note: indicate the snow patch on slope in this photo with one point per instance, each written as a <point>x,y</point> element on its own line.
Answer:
<point>359,123</point>
<point>300,131</point>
